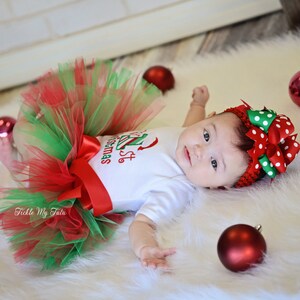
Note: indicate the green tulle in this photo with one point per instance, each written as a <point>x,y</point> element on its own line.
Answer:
<point>51,247</point>
<point>47,135</point>
<point>105,102</point>
<point>101,100</point>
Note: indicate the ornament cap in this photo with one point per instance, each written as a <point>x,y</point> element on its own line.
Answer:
<point>258,227</point>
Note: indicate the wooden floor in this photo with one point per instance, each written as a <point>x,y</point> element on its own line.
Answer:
<point>261,28</point>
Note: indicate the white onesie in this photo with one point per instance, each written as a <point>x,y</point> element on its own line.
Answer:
<point>139,171</point>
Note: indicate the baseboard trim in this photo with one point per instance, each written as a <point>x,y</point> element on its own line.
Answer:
<point>130,35</point>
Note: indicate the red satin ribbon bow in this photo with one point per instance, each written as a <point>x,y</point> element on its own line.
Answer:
<point>87,187</point>
<point>278,145</point>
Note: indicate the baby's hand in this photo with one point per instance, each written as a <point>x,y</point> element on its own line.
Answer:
<point>155,257</point>
<point>200,96</point>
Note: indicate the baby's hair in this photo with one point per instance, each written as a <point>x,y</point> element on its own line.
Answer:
<point>245,143</point>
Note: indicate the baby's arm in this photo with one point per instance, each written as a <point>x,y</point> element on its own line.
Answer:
<point>196,112</point>
<point>144,244</point>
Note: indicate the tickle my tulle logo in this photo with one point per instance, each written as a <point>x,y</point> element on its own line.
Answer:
<point>39,211</point>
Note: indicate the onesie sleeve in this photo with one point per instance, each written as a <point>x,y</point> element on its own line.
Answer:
<point>167,199</point>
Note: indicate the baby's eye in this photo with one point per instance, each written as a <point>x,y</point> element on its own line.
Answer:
<point>214,164</point>
<point>206,135</point>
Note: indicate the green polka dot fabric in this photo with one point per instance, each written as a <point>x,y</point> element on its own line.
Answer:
<point>274,146</point>
<point>261,118</point>
<point>267,166</point>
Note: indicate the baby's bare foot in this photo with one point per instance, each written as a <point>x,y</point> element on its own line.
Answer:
<point>6,152</point>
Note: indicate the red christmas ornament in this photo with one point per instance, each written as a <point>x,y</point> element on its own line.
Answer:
<point>294,88</point>
<point>160,76</point>
<point>6,127</point>
<point>240,247</point>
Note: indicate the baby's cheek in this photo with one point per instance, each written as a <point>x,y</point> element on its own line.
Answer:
<point>196,178</point>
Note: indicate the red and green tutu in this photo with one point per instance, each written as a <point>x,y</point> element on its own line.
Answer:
<point>62,209</point>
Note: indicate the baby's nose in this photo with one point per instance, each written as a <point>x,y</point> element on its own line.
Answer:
<point>199,151</point>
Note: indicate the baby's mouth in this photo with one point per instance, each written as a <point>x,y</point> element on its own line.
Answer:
<point>187,155</point>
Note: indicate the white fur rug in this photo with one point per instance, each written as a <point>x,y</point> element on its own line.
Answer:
<point>259,74</point>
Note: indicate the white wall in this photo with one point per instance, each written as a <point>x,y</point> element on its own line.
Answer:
<point>27,22</point>
<point>35,35</point>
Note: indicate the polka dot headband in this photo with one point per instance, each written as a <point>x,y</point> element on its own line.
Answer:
<point>274,146</point>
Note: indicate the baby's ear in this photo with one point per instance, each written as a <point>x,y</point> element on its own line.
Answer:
<point>211,114</point>
<point>222,187</point>
<point>225,187</point>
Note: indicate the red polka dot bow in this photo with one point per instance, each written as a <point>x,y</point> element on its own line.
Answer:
<point>274,145</point>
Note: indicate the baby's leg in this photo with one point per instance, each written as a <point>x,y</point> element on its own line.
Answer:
<point>14,147</point>
<point>20,140</point>
<point>7,152</point>
<point>22,133</point>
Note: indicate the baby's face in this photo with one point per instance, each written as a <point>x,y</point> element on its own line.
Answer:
<point>207,154</point>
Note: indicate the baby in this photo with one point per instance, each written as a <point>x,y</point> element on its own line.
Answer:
<point>219,151</point>
<point>152,172</point>
<point>208,152</point>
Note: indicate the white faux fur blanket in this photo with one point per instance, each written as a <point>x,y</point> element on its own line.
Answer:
<point>259,74</point>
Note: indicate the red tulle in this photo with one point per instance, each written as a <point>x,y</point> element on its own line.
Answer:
<point>115,217</point>
<point>26,251</point>
<point>80,72</point>
<point>41,173</point>
<point>69,223</point>
<point>11,220</point>
<point>58,113</point>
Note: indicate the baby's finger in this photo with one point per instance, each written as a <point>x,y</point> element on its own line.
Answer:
<point>155,263</point>
<point>203,88</point>
<point>213,113</point>
<point>168,251</point>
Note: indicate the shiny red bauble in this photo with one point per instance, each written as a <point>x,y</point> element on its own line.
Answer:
<point>161,77</point>
<point>240,247</point>
<point>294,88</point>
<point>6,127</point>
